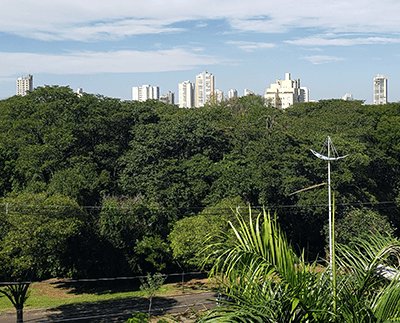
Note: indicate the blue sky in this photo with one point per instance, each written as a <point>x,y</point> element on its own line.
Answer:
<point>106,47</point>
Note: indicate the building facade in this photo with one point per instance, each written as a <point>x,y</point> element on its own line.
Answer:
<point>205,86</point>
<point>232,93</point>
<point>348,97</point>
<point>79,91</point>
<point>186,94</point>
<point>24,85</point>
<point>284,93</point>
<point>169,98</point>
<point>380,89</point>
<point>145,92</point>
<point>247,92</point>
<point>304,94</point>
<point>219,95</point>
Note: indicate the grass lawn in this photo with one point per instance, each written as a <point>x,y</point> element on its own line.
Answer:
<point>54,293</point>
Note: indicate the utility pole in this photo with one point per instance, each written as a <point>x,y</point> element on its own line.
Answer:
<point>332,155</point>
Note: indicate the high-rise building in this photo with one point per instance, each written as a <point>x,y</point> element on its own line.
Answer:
<point>304,94</point>
<point>204,88</point>
<point>219,95</point>
<point>24,85</point>
<point>79,91</point>
<point>380,89</point>
<point>247,92</point>
<point>169,98</point>
<point>285,92</point>
<point>145,92</point>
<point>232,93</point>
<point>186,94</point>
<point>348,97</point>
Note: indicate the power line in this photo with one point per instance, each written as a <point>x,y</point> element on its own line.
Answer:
<point>101,279</point>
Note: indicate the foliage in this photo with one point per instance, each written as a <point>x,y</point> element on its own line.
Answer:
<point>266,282</point>
<point>151,285</point>
<point>38,228</point>
<point>191,234</point>
<point>135,227</point>
<point>265,279</point>
<point>142,318</point>
<point>182,161</point>
<point>155,250</point>
<point>138,318</point>
<point>35,240</point>
<point>361,222</point>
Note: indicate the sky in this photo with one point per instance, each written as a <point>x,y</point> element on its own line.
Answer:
<point>107,47</point>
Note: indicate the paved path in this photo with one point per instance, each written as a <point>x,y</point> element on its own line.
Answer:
<point>116,310</point>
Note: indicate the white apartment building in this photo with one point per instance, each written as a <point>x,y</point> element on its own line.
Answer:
<point>205,85</point>
<point>169,98</point>
<point>79,91</point>
<point>186,94</point>
<point>380,89</point>
<point>285,92</point>
<point>247,92</point>
<point>232,93</point>
<point>219,95</point>
<point>24,85</point>
<point>304,94</point>
<point>348,97</point>
<point>145,92</point>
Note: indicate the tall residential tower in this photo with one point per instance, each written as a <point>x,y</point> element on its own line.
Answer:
<point>186,94</point>
<point>380,89</point>
<point>24,85</point>
<point>145,92</point>
<point>204,88</point>
<point>285,92</point>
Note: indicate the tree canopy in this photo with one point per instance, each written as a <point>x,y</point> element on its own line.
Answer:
<point>165,164</point>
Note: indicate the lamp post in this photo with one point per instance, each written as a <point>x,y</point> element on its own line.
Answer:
<point>332,155</point>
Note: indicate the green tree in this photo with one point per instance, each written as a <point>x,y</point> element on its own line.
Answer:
<point>136,227</point>
<point>172,160</point>
<point>52,137</point>
<point>34,242</point>
<point>190,235</point>
<point>151,285</point>
<point>361,222</point>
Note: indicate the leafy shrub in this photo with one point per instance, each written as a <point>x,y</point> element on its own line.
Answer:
<point>138,318</point>
<point>361,222</point>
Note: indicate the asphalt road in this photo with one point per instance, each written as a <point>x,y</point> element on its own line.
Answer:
<point>116,310</point>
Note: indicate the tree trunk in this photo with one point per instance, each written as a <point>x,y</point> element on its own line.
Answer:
<point>20,312</point>
<point>17,293</point>
<point>151,299</point>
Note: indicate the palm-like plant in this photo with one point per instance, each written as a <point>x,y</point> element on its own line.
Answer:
<point>265,281</point>
<point>366,296</point>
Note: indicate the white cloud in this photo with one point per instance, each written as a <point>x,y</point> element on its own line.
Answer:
<point>201,25</point>
<point>323,41</point>
<point>198,49</point>
<point>124,61</point>
<point>101,31</point>
<point>103,19</point>
<point>322,59</point>
<point>250,46</point>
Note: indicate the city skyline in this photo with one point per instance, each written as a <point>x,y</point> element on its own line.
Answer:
<point>107,48</point>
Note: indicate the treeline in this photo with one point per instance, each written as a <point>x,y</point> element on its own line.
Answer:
<point>93,186</point>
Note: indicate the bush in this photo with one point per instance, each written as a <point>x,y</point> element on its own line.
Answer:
<point>138,318</point>
<point>361,222</point>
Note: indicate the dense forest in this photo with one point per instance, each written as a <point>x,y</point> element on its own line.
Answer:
<point>94,186</point>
